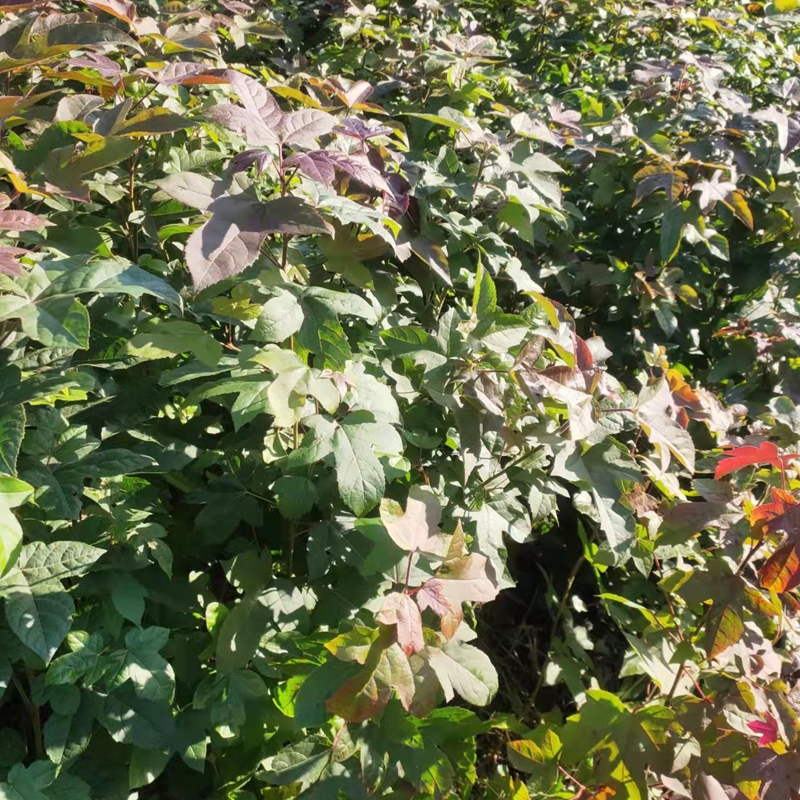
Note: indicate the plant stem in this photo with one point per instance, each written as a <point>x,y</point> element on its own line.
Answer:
<point>408,570</point>
<point>33,712</point>
<point>562,606</point>
<point>481,165</point>
<point>753,550</point>
<point>285,251</point>
<point>290,535</point>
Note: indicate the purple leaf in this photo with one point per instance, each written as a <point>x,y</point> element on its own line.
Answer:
<point>231,240</point>
<point>398,198</point>
<point>359,129</point>
<point>243,122</point>
<point>255,98</point>
<point>13,220</point>
<point>564,117</point>
<point>9,265</point>
<point>317,165</point>
<point>237,7</point>
<point>187,72</point>
<point>304,126</point>
<point>245,159</point>
<point>220,249</point>
<point>400,610</point>
<point>103,64</point>
<point>359,168</point>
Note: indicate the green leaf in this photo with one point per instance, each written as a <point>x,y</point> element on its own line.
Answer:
<point>484,298</point>
<point>281,316</point>
<point>672,226</point>
<point>464,670</point>
<point>14,492</point>
<point>142,723</point>
<point>128,596</point>
<point>302,762</point>
<point>168,338</point>
<point>100,155</point>
<point>280,605</point>
<point>359,473</point>
<point>40,618</point>
<point>146,766</point>
<point>154,122</point>
<point>10,539</point>
<point>60,322</point>
<point>603,471</point>
<point>654,410</point>
<point>38,610</point>
<point>191,739</point>
<point>12,429</point>
<point>85,661</point>
<point>150,673</point>
<point>66,736</point>
<point>296,496</point>
<point>74,276</point>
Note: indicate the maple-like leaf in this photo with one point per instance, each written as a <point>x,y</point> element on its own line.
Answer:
<point>781,572</point>
<point>465,580</point>
<point>721,191</point>
<point>400,610</point>
<point>767,514</point>
<point>748,456</point>
<point>431,595</point>
<point>416,528</point>
<point>656,413</point>
<point>767,730</point>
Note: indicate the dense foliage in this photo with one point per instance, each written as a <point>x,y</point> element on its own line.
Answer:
<point>398,400</point>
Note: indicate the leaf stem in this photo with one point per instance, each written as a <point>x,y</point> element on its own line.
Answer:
<point>408,570</point>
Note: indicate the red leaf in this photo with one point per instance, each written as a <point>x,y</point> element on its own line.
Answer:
<point>747,456</point>
<point>768,730</point>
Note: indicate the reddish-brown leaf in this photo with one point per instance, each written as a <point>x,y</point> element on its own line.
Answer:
<point>584,360</point>
<point>400,610</point>
<point>682,393</point>
<point>781,573</point>
<point>431,595</point>
<point>14,220</point>
<point>771,515</point>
